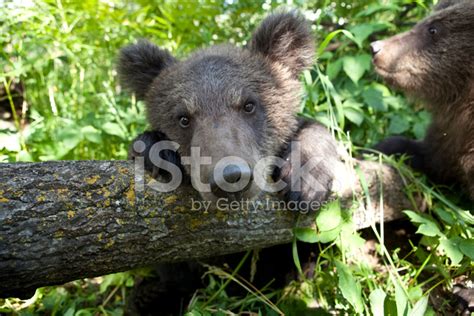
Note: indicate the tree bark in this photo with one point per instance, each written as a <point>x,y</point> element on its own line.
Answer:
<point>61,221</point>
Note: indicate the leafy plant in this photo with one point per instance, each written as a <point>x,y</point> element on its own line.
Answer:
<point>60,99</point>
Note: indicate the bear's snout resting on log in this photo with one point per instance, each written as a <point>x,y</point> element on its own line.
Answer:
<point>434,62</point>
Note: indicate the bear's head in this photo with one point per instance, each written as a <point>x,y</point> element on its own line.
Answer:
<point>229,102</point>
<point>433,61</point>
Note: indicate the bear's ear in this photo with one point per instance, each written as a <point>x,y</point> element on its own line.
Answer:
<point>285,38</point>
<point>139,64</point>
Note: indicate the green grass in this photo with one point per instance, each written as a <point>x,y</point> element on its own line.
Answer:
<point>63,55</point>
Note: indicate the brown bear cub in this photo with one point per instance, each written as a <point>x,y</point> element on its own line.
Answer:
<point>434,62</point>
<point>231,102</point>
<point>235,102</point>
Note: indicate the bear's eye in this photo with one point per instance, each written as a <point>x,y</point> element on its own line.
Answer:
<point>249,107</point>
<point>433,30</point>
<point>184,121</point>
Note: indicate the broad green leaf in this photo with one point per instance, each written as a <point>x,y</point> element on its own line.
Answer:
<point>377,299</point>
<point>427,226</point>
<point>329,217</point>
<point>401,300</point>
<point>334,69</point>
<point>304,234</point>
<point>70,311</point>
<point>329,235</point>
<point>353,111</point>
<point>467,247</point>
<point>398,125</point>
<point>350,240</point>
<point>445,216</point>
<point>452,250</point>
<point>112,128</point>
<point>349,287</point>
<point>420,307</point>
<point>92,134</point>
<point>374,98</point>
<point>356,66</point>
<point>362,31</point>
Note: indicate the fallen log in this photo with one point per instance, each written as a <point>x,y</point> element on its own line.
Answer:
<point>61,221</point>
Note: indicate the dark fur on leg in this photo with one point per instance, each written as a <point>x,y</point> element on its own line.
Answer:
<point>399,145</point>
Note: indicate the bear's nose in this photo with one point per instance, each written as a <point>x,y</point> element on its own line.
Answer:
<point>235,179</point>
<point>233,174</point>
<point>376,47</point>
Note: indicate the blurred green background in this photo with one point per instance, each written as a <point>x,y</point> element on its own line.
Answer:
<point>60,99</point>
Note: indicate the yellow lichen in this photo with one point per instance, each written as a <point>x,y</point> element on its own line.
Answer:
<point>170,199</point>
<point>179,209</point>
<point>195,223</point>
<point>105,192</point>
<point>3,199</point>
<point>92,180</point>
<point>59,234</point>
<point>109,244</point>
<point>40,198</point>
<point>130,194</point>
<point>99,236</point>
<point>71,214</point>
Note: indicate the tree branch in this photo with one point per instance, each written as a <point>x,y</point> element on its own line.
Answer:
<point>61,221</point>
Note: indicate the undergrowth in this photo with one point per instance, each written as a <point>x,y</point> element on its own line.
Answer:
<point>59,99</point>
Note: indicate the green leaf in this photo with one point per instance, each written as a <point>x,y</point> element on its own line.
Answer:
<point>377,301</point>
<point>427,226</point>
<point>420,307</point>
<point>329,38</point>
<point>308,235</point>
<point>112,128</point>
<point>329,217</point>
<point>70,311</point>
<point>350,288</point>
<point>329,235</point>
<point>452,250</point>
<point>364,30</point>
<point>92,134</point>
<point>401,300</point>
<point>467,247</point>
<point>374,98</point>
<point>353,111</point>
<point>445,216</point>
<point>334,69</point>
<point>398,125</point>
<point>296,258</point>
<point>356,66</point>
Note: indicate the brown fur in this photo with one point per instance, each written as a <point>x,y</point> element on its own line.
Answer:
<point>434,62</point>
<point>213,85</point>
